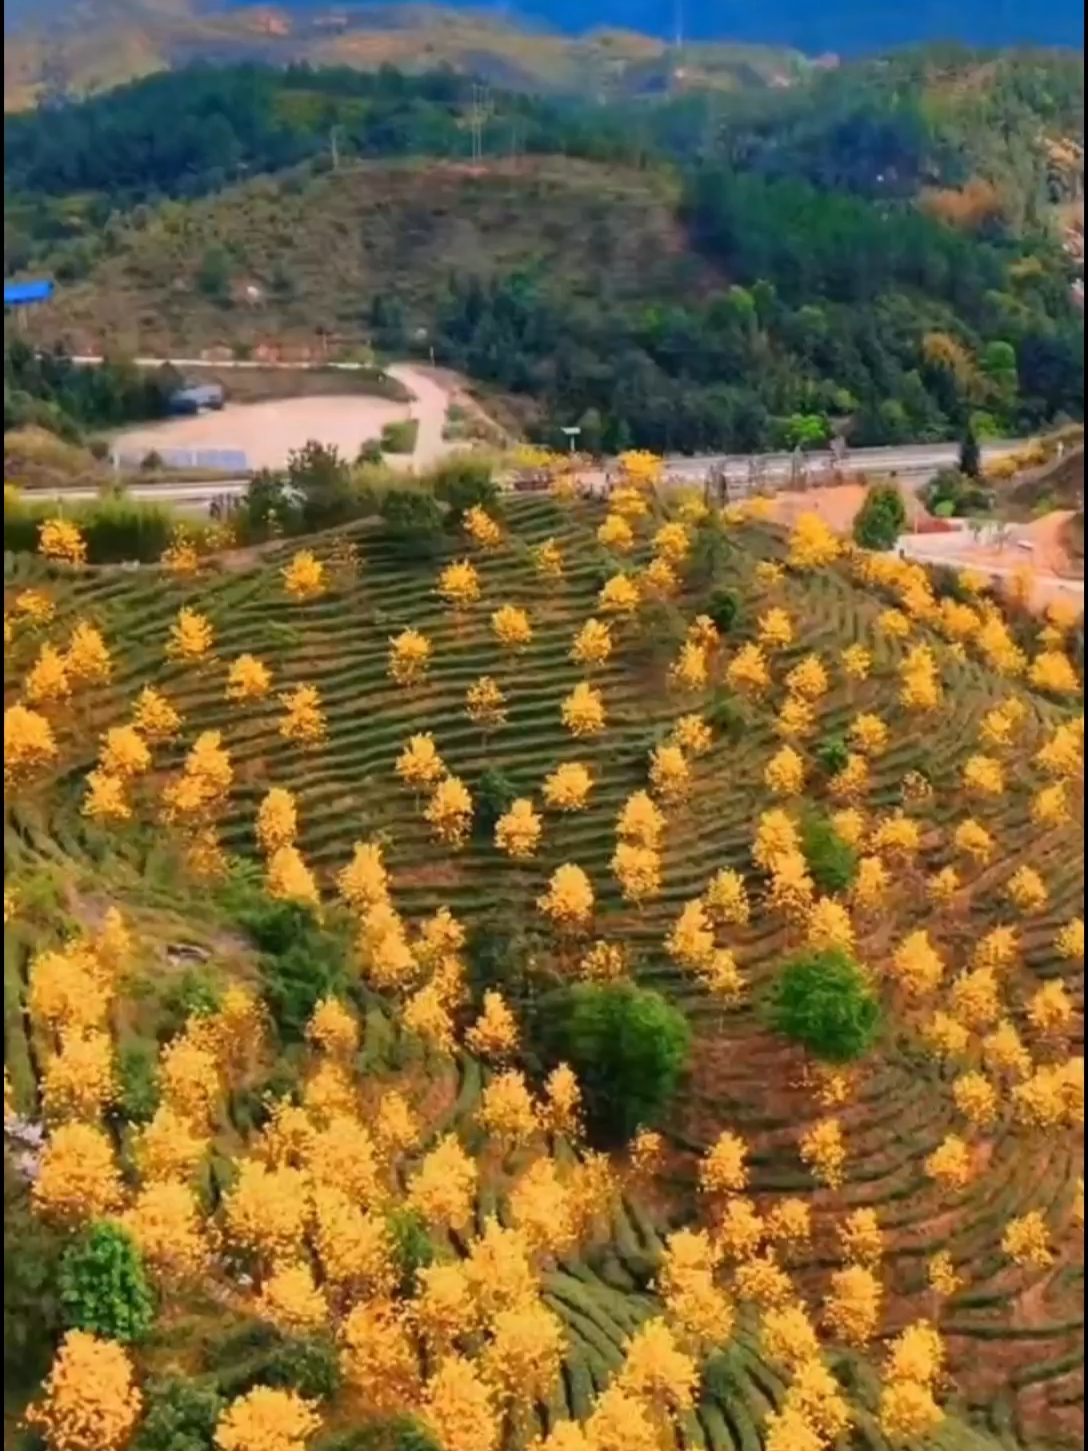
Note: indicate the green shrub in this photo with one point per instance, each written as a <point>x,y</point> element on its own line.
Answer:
<point>823,1001</point>
<point>32,1313</point>
<point>413,522</point>
<point>400,437</point>
<point>138,1078</point>
<point>881,519</point>
<point>180,1415</point>
<point>412,1247</point>
<point>629,1048</point>
<point>723,608</point>
<point>370,453</point>
<point>661,628</point>
<point>116,529</point>
<point>309,1366</point>
<point>321,479</point>
<point>710,551</point>
<point>498,953</point>
<point>301,962</point>
<point>103,1288</point>
<point>832,862</point>
<point>400,1434</point>
<point>464,481</point>
<point>727,714</point>
<point>832,755</point>
<point>953,493</point>
<point>970,454</point>
<point>197,992</point>
<point>723,1375</point>
<point>493,794</point>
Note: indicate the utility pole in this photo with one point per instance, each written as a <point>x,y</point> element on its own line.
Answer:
<point>480,104</point>
<point>678,41</point>
<point>334,146</point>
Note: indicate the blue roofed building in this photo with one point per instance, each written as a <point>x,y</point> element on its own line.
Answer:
<point>24,294</point>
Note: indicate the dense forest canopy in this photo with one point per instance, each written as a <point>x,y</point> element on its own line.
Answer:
<point>183,133</point>
<point>881,237</point>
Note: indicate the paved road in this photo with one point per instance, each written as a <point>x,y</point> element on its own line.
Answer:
<point>913,467</point>
<point>907,459</point>
<point>915,464</point>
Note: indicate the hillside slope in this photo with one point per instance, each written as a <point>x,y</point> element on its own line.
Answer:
<point>1014,1334</point>
<point>321,249</point>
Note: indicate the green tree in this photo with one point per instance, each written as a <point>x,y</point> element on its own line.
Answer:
<point>464,481</point>
<point>832,754</point>
<point>629,1048</point>
<point>494,793</point>
<point>832,862</point>
<point>214,273</point>
<point>32,1321</point>
<point>308,1365</point>
<point>823,1001</point>
<point>412,1247</point>
<point>806,430</point>
<point>413,522</point>
<point>138,1075</point>
<point>103,1288</point>
<point>321,479</point>
<point>881,519</point>
<point>723,608</point>
<point>181,1416</point>
<point>970,454</point>
<point>403,1433</point>
<point>301,962</point>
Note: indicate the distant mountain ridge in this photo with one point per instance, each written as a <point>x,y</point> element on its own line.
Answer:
<point>57,47</point>
<point>847,27</point>
<point>604,47</point>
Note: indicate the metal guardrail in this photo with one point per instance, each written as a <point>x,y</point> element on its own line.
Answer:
<point>218,460</point>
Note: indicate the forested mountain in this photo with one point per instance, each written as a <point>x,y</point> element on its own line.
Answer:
<point>879,245</point>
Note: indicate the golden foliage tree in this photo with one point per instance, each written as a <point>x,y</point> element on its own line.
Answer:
<point>29,745</point>
<point>449,812</point>
<point>78,1178</point>
<point>485,704</point>
<point>583,711</point>
<point>305,577</point>
<point>61,539</point>
<point>460,1408</point>
<point>248,679</point>
<point>277,820</point>
<point>409,657</point>
<point>459,585</point>
<point>267,1419</point>
<point>569,900</point>
<point>303,719</point>
<point>511,627</point>
<point>89,1401</point>
<point>853,1307</point>
<point>568,787</point>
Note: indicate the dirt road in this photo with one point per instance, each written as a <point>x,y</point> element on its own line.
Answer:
<point>267,432</point>
<point>431,400</point>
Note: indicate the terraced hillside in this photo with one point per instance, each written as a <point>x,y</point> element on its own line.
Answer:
<point>1013,1330</point>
